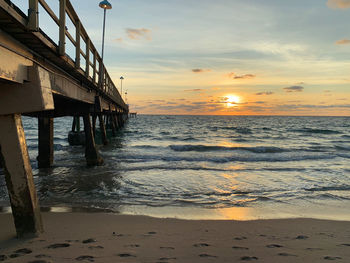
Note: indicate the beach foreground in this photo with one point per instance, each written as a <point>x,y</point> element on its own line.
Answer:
<point>100,237</point>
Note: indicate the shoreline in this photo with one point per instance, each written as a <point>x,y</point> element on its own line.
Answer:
<point>322,212</point>
<point>102,237</point>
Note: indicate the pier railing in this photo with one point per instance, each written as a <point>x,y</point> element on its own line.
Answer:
<point>94,69</point>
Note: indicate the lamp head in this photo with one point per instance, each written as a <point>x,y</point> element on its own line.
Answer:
<point>121,77</point>
<point>105,4</point>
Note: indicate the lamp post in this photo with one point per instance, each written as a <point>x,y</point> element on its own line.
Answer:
<point>105,5</point>
<point>121,86</point>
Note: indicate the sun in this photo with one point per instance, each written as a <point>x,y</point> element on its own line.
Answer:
<point>232,100</point>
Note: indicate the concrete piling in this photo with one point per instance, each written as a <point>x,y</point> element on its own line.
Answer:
<point>19,177</point>
<point>46,151</point>
<point>91,153</point>
<point>102,129</point>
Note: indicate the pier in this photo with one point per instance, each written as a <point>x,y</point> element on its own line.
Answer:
<point>39,79</point>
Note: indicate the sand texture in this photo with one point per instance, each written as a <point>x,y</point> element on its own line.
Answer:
<point>98,237</point>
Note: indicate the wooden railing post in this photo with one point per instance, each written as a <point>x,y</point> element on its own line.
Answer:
<point>62,41</point>
<point>77,44</point>
<point>87,57</point>
<point>94,74</point>
<point>33,15</point>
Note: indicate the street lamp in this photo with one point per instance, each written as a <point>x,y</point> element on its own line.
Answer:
<point>105,5</point>
<point>121,86</point>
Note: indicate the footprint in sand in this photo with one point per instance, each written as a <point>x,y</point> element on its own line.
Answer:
<point>273,246</point>
<point>207,256</point>
<point>332,258</point>
<point>20,252</point>
<point>248,258</point>
<point>240,238</point>
<point>96,247</point>
<point>90,240</point>
<point>286,255</point>
<point>58,245</point>
<point>240,248</point>
<point>201,245</point>
<point>126,255</point>
<point>3,257</point>
<point>117,235</point>
<point>85,258</point>
<point>132,245</point>
<point>344,245</point>
<point>169,248</point>
<point>152,233</point>
<point>40,261</point>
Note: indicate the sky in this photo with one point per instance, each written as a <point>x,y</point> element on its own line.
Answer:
<point>224,57</point>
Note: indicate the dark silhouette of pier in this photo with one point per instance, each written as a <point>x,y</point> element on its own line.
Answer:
<point>39,79</point>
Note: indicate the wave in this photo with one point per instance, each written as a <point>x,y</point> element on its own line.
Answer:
<point>132,158</point>
<point>317,131</point>
<point>342,148</point>
<point>209,148</point>
<point>329,188</point>
<point>241,130</point>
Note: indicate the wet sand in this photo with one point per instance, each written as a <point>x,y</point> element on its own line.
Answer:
<point>100,237</point>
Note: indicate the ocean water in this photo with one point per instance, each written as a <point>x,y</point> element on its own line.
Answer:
<point>209,167</point>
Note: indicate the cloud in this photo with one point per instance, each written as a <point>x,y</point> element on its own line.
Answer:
<point>245,76</point>
<point>343,42</point>
<point>193,90</point>
<point>338,4</point>
<point>264,93</point>
<point>199,70</point>
<point>137,34</point>
<point>294,89</point>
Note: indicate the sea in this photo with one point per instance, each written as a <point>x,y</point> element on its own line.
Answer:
<point>201,167</point>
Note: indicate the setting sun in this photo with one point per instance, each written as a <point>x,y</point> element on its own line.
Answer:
<point>232,100</point>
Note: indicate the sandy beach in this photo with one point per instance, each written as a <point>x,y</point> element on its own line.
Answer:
<point>100,237</point>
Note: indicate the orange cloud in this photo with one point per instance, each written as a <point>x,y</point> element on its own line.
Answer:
<point>199,70</point>
<point>338,4</point>
<point>245,76</point>
<point>193,90</point>
<point>294,89</point>
<point>343,42</point>
<point>264,93</point>
<point>137,34</point>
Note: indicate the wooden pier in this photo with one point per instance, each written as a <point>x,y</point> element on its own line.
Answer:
<point>38,79</point>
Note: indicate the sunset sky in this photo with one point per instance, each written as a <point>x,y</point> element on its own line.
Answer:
<point>268,57</point>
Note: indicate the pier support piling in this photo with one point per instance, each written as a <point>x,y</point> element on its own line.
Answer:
<point>115,120</point>
<point>102,129</point>
<point>91,154</point>
<point>98,111</point>
<point>45,157</point>
<point>94,117</point>
<point>111,123</point>
<point>19,177</point>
